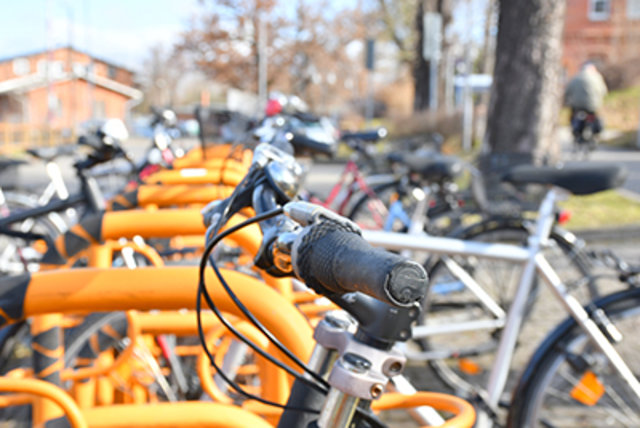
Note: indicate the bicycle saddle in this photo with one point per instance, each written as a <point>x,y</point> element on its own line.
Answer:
<point>430,165</point>
<point>48,154</point>
<point>370,136</point>
<point>578,179</point>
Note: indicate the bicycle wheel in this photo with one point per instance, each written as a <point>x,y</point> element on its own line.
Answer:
<point>103,331</point>
<point>371,212</point>
<point>467,356</point>
<point>17,255</point>
<point>394,204</point>
<point>570,383</point>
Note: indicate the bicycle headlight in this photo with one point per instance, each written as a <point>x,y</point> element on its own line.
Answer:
<point>285,177</point>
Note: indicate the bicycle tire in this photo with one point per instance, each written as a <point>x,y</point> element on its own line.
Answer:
<point>77,339</point>
<point>548,393</point>
<point>472,352</point>
<point>441,217</point>
<point>15,350</point>
<point>369,212</point>
<point>11,260</point>
<point>54,222</point>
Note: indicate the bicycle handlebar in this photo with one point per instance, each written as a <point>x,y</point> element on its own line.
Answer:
<point>331,257</point>
<point>328,252</point>
<point>101,152</point>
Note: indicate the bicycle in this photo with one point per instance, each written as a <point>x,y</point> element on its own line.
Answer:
<point>428,200</point>
<point>306,135</point>
<point>29,222</point>
<point>577,179</point>
<point>363,171</point>
<point>421,193</point>
<point>595,321</point>
<point>585,128</point>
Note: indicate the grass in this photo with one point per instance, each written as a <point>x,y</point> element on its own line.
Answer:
<point>626,139</point>
<point>621,109</point>
<point>601,210</point>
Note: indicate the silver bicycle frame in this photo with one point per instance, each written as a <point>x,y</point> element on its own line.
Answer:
<point>533,261</point>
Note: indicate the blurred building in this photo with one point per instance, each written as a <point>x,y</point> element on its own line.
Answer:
<point>606,32</point>
<point>60,89</point>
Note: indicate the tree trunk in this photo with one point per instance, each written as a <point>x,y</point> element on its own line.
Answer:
<point>525,98</point>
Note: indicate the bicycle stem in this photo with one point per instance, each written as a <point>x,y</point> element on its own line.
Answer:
<point>366,359</point>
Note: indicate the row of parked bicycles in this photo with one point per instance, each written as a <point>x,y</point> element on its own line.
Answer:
<point>213,290</point>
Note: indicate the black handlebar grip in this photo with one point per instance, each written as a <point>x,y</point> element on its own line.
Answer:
<point>370,135</point>
<point>302,143</point>
<point>331,259</point>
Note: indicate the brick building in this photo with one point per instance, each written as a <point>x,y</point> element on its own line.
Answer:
<point>62,88</point>
<point>604,31</point>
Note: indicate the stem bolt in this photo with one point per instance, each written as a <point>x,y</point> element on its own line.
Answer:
<point>376,390</point>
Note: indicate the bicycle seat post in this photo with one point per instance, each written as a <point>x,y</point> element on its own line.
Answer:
<point>545,221</point>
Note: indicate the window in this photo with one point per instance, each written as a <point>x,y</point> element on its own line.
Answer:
<point>42,66</point>
<point>633,9</point>
<point>99,109</point>
<point>56,68</point>
<point>599,10</point>
<point>52,68</point>
<point>79,69</point>
<point>21,66</point>
<point>111,72</point>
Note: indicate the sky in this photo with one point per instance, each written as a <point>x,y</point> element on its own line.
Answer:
<point>121,31</point>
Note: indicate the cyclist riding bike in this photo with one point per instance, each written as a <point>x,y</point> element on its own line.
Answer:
<point>584,94</point>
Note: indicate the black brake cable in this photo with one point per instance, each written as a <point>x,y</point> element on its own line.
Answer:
<point>224,376</point>
<point>234,298</point>
<point>256,348</point>
<point>203,292</point>
<point>247,312</point>
<point>364,414</point>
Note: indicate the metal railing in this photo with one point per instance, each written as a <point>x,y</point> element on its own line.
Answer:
<point>15,137</point>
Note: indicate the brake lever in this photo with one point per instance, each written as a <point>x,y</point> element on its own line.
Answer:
<point>220,211</point>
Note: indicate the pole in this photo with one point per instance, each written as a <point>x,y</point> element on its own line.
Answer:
<point>448,81</point>
<point>262,61</point>
<point>369,65</point>
<point>47,69</point>
<point>72,84</point>
<point>467,115</point>
<point>433,84</point>
<point>89,73</point>
<point>467,112</point>
<point>369,107</point>
<point>638,136</point>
